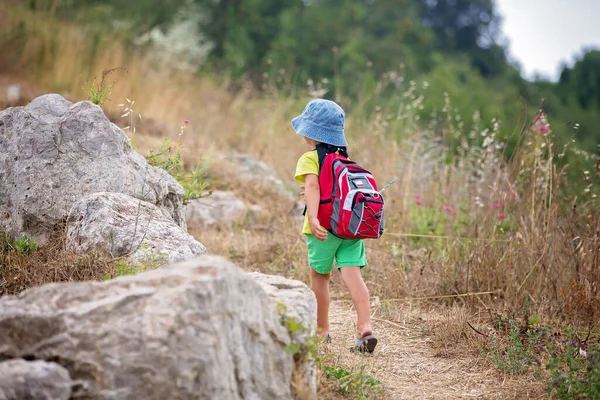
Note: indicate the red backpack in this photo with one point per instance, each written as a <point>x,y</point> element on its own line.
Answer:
<point>351,206</point>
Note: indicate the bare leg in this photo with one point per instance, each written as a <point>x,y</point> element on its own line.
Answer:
<point>320,286</point>
<point>360,297</point>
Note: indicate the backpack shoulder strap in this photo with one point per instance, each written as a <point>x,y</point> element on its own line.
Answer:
<point>322,151</point>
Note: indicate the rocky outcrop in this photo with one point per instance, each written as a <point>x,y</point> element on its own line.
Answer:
<point>220,208</point>
<point>39,380</point>
<point>257,171</point>
<point>297,301</point>
<point>202,329</point>
<point>120,225</point>
<point>53,153</point>
<point>251,169</point>
<point>296,304</point>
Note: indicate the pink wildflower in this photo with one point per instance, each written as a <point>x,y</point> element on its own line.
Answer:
<point>186,121</point>
<point>544,128</point>
<point>501,216</point>
<point>497,206</point>
<point>448,209</point>
<point>418,200</point>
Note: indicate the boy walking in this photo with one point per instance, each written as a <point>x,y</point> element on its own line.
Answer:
<point>322,122</point>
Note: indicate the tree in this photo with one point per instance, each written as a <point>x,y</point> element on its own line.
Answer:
<point>353,42</point>
<point>582,81</point>
<point>467,26</point>
<point>144,14</point>
<point>242,31</point>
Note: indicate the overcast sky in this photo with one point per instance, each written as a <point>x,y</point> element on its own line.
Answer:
<point>544,33</point>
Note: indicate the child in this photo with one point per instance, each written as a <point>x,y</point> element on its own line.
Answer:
<point>322,121</point>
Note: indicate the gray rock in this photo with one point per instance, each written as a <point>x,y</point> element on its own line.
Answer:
<point>220,208</point>
<point>39,380</point>
<point>252,169</point>
<point>121,225</point>
<point>49,107</point>
<point>296,302</point>
<point>202,329</point>
<point>52,153</point>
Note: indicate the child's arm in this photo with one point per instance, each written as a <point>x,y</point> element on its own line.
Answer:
<point>312,197</point>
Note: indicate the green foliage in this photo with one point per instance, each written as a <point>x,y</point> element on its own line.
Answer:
<point>143,14</point>
<point>570,372</point>
<point>242,31</point>
<point>168,157</point>
<point>24,245</point>
<point>194,183</point>
<point>575,374</point>
<point>125,268</point>
<point>367,40</point>
<point>467,26</point>
<point>515,353</point>
<point>301,350</point>
<point>357,384</point>
<point>426,221</point>
<point>21,245</point>
<point>99,92</point>
<point>582,81</point>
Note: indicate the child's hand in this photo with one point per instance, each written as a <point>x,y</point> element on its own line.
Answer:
<point>317,230</point>
<point>302,192</point>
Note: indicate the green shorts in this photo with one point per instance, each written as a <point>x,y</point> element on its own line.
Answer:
<point>345,252</point>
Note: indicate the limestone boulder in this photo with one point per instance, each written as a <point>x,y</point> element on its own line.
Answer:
<point>296,303</point>
<point>53,153</point>
<point>39,380</point>
<point>220,208</point>
<point>203,329</point>
<point>254,170</point>
<point>296,299</point>
<point>120,225</point>
<point>257,171</point>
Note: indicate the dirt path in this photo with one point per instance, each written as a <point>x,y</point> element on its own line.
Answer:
<point>406,365</point>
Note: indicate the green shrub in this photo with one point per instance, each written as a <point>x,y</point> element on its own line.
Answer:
<point>22,245</point>
<point>575,373</point>
<point>168,157</point>
<point>354,383</point>
<point>99,92</point>
<point>515,353</point>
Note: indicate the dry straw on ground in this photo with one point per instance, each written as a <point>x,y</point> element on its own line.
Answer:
<point>51,263</point>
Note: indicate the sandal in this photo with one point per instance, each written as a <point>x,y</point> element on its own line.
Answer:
<point>366,344</point>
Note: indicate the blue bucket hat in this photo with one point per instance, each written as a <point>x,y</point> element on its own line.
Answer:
<point>322,121</point>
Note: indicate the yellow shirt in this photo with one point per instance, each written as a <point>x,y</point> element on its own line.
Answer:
<point>307,164</point>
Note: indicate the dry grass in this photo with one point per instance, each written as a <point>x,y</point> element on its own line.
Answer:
<point>50,263</point>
